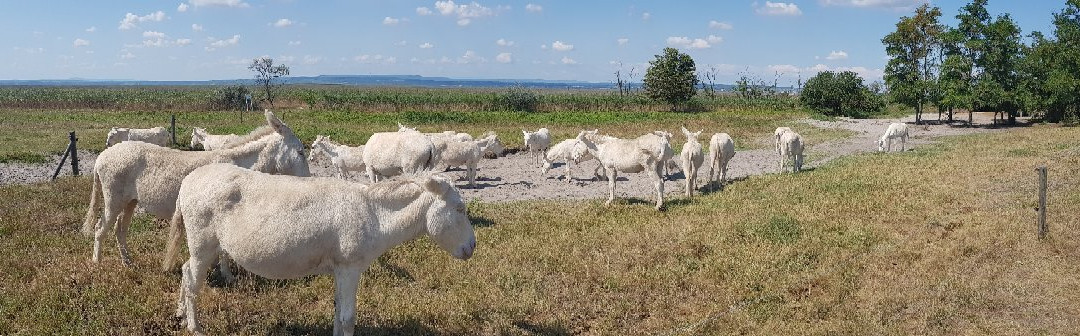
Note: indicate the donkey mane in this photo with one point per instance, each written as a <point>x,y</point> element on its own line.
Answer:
<point>394,190</point>
<point>256,134</point>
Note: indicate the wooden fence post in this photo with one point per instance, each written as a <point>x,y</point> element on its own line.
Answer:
<point>172,128</point>
<point>1043,229</point>
<point>73,147</point>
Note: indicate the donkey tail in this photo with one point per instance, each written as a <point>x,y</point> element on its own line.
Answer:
<point>176,230</point>
<point>91,213</point>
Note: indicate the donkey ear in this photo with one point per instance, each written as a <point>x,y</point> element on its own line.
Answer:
<point>274,122</point>
<point>437,185</point>
<point>684,130</point>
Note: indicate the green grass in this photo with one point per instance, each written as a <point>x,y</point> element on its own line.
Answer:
<point>30,135</point>
<point>939,240</point>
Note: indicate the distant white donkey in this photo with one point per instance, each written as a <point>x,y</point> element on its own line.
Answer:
<point>572,151</point>
<point>647,153</point>
<point>290,227</point>
<point>199,136</point>
<point>791,147</point>
<point>721,150</point>
<point>691,159</point>
<point>157,135</point>
<point>345,158</point>
<point>895,131</point>
<point>537,142</point>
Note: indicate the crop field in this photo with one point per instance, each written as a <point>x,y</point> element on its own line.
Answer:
<point>936,240</point>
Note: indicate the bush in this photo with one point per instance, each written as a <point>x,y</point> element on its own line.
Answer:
<point>840,94</point>
<point>671,78</point>
<point>519,99</point>
<point>232,97</point>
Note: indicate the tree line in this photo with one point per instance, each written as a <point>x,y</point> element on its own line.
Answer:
<point>984,64</point>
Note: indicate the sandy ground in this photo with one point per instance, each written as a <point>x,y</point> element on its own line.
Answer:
<point>517,176</point>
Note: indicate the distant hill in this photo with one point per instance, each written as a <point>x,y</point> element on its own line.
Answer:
<point>358,80</point>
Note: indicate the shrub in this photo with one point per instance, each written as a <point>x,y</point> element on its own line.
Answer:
<point>840,94</point>
<point>518,98</point>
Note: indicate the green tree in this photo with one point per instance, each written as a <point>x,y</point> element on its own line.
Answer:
<point>671,78</point>
<point>840,94</point>
<point>268,76</point>
<point>910,73</point>
<point>996,87</point>
<point>1051,67</point>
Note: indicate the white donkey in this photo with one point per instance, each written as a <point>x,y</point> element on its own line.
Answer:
<point>573,151</point>
<point>136,173</point>
<point>199,136</point>
<point>895,131</point>
<point>345,158</point>
<point>791,147</point>
<point>395,153</point>
<point>721,150</point>
<point>776,136</point>
<point>647,153</point>
<point>691,159</point>
<point>157,135</point>
<point>286,227</point>
<point>537,142</point>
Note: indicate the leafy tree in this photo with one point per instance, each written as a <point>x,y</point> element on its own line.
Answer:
<point>998,83</point>
<point>671,77</point>
<point>267,76</point>
<point>910,73</point>
<point>840,94</point>
<point>970,50</point>
<point>1051,68</point>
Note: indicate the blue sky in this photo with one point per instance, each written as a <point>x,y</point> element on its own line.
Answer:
<point>533,39</point>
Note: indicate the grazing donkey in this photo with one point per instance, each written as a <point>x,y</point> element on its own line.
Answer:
<point>286,227</point>
<point>199,136</point>
<point>135,173</point>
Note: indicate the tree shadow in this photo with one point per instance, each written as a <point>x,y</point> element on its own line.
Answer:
<point>539,329</point>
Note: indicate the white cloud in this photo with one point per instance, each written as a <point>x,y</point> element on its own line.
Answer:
<point>713,39</point>
<point>470,57</point>
<point>183,7</point>
<point>534,8</point>
<point>389,21</point>
<point>183,42</point>
<point>783,68</point>
<point>155,43</point>
<point>646,16</point>
<point>29,50</point>
<point>226,42</point>
<point>282,23</point>
<point>464,13</point>
<point>153,34</point>
<point>779,8</point>
<point>401,43</point>
<point>623,41</point>
<point>311,60</point>
<point>720,25</point>
<point>91,29</point>
<point>688,43</point>
<point>891,4</point>
<point>543,46</point>
<point>127,55</point>
<point>196,27</point>
<point>294,43</point>
<point>504,58</point>
<point>219,3</point>
<point>427,45</point>
<point>286,59</point>
<point>130,20</point>
<point>560,46</point>
<point>504,43</point>
<point>81,43</point>
<point>567,60</point>
<point>837,55</point>
<point>375,59</point>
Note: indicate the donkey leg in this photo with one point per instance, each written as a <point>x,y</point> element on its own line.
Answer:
<point>202,258</point>
<point>346,283</point>
<point>659,180</point>
<point>122,230</point>
<point>108,219</point>
<point>612,174</point>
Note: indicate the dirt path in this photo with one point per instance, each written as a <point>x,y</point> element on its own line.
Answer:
<point>517,176</point>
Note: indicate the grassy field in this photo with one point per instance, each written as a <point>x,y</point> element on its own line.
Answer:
<point>939,240</point>
<point>31,135</point>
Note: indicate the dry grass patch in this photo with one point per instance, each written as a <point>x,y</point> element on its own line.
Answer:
<point>939,240</point>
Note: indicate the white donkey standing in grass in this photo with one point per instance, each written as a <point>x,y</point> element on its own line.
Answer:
<point>136,173</point>
<point>286,227</point>
<point>647,153</point>
<point>895,131</point>
<point>691,159</point>
<point>345,158</point>
<point>199,136</point>
<point>157,135</point>
<point>721,150</point>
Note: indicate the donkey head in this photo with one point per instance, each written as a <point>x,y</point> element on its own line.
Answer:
<point>448,218</point>
<point>288,157</point>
